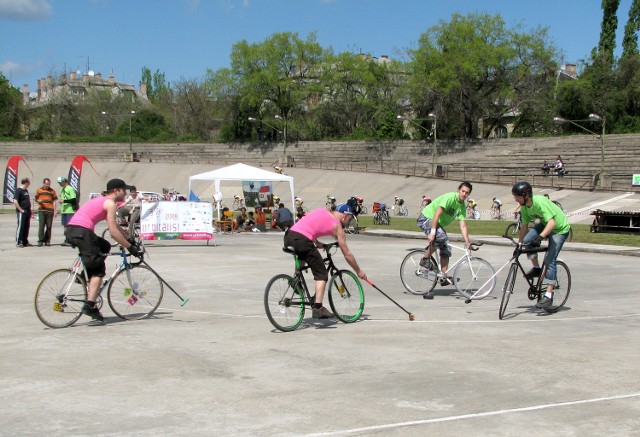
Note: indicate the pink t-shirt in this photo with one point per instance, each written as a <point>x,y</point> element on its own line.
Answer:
<point>317,223</point>
<point>90,214</point>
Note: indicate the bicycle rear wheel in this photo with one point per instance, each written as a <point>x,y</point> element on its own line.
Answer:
<point>60,297</point>
<point>352,226</point>
<point>562,288</point>
<point>346,297</point>
<point>507,290</point>
<point>415,278</point>
<point>472,274</point>
<point>284,303</point>
<point>512,229</point>
<point>135,293</point>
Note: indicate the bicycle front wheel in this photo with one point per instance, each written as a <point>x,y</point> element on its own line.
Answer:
<point>474,278</point>
<point>346,297</point>
<point>507,291</point>
<point>60,297</point>
<point>284,303</point>
<point>561,289</point>
<point>135,293</point>
<point>415,278</point>
<point>512,229</point>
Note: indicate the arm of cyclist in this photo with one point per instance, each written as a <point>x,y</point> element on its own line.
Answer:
<point>339,233</point>
<point>465,233</point>
<point>434,224</point>
<point>548,228</point>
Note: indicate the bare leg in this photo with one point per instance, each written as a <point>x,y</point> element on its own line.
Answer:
<point>320,286</point>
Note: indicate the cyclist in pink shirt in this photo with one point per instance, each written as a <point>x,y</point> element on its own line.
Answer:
<point>80,233</point>
<point>303,237</point>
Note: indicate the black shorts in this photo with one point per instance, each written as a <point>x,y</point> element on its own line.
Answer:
<point>92,249</point>
<point>307,252</point>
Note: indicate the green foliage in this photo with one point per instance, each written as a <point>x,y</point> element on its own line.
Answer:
<point>607,43</point>
<point>146,126</point>
<point>631,29</point>
<point>11,109</point>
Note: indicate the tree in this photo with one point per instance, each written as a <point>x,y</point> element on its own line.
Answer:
<point>11,109</point>
<point>193,110</point>
<point>279,74</point>
<point>631,29</point>
<point>157,86</point>
<point>474,68</point>
<point>609,26</point>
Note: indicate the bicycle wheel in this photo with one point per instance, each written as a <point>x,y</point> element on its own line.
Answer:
<point>376,218</point>
<point>415,278</point>
<point>507,290</point>
<point>346,297</point>
<point>562,288</point>
<point>364,210</point>
<point>512,229</point>
<point>284,303</point>
<point>352,226</point>
<point>60,297</point>
<point>471,275</point>
<point>386,219</point>
<point>135,293</point>
<point>404,211</point>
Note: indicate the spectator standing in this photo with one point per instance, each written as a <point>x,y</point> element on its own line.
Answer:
<point>546,168</point>
<point>46,199</point>
<point>22,202</point>
<point>284,217</point>
<point>68,204</point>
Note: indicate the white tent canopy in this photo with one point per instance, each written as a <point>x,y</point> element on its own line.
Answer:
<point>242,172</point>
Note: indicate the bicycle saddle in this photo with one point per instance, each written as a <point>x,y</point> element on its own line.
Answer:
<point>289,250</point>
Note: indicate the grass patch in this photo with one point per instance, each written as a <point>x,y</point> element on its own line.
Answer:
<point>581,233</point>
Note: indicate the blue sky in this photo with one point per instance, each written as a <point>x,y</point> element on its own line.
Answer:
<point>184,38</point>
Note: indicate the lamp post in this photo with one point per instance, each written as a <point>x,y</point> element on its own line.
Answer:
<point>130,115</point>
<point>434,129</point>
<point>596,118</point>
<point>284,137</point>
<point>255,120</point>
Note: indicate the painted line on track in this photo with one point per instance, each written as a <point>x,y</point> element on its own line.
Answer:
<point>376,428</point>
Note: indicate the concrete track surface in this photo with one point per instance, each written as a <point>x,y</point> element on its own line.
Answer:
<point>217,367</point>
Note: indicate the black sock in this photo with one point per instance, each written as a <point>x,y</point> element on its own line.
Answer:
<point>91,304</point>
<point>317,306</point>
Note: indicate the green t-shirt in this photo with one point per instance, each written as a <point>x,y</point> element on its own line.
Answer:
<point>545,210</point>
<point>67,193</point>
<point>452,206</point>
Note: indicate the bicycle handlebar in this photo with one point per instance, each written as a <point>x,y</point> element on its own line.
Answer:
<point>520,248</point>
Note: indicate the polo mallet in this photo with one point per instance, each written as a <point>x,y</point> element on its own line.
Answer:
<point>184,301</point>
<point>411,316</point>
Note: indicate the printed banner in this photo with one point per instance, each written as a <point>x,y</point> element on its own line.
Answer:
<point>636,180</point>
<point>257,193</point>
<point>75,172</point>
<point>176,221</point>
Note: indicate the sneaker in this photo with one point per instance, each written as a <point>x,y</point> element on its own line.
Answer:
<point>92,312</point>
<point>446,281</point>
<point>47,244</point>
<point>65,244</point>
<point>428,296</point>
<point>545,302</point>
<point>39,243</point>
<point>533,273</point>
<point>322,313</point>
<point>426,263</point>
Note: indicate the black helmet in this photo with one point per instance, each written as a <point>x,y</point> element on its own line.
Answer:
<point>522,189</point>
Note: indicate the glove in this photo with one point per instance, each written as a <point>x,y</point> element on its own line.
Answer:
<point>134,250</point>
<point>536,241</point>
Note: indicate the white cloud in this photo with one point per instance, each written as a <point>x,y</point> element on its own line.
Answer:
<point>25,10</point>
<point>12,69</point>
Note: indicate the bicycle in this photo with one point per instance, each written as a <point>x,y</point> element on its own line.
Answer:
<point>286,297</point>
<point>536,290</point>
<point>380,214</point>
<point>496,213</point>
<point>134,292</point>
<point>468,272</point>
<point>330,204</point>
<point>124,226</point>
<point>400,208</point>
<point>352,226</point>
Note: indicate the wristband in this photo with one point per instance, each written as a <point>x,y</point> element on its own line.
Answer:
<point>433,232</point>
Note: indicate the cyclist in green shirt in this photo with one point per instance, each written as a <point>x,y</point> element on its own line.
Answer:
<point>68,199</point>
<point>553,225</point>
<point>432,220</point>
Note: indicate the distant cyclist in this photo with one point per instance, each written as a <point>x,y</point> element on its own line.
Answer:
<point>495,207</point>
<point>303,237</point>
<point>553,225</point>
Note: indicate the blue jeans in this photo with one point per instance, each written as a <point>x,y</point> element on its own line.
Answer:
<point>555,246</point>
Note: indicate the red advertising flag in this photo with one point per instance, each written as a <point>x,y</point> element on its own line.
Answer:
<point>11,178</point>
<point>75,172</point>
